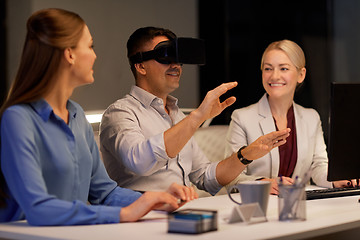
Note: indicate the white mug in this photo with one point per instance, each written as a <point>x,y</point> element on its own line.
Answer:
<point>253,191</point>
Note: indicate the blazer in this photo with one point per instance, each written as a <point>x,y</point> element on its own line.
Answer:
<point>249,123</point>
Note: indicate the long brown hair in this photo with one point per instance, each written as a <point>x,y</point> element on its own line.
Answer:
<point>49,33</point>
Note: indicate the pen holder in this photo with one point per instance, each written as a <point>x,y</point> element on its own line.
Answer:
<point>292,202</point>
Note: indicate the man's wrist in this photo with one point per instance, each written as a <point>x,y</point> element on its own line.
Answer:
<point>242,159</point>
<point>195,119</point>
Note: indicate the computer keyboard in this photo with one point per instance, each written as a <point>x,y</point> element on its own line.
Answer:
<point>331,193</point>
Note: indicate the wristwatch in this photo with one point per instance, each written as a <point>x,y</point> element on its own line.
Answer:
<point>241,157</point>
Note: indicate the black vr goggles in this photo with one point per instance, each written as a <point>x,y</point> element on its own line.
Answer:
<point>178,50</point>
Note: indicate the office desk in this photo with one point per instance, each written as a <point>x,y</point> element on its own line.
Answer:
<point>323,217</point>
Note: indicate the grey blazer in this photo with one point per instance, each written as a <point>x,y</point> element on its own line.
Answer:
<point>249,123</point>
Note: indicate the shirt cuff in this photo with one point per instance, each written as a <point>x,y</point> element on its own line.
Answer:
<point>211,183</point>
<point>158,145</point>
<point>109,214</point>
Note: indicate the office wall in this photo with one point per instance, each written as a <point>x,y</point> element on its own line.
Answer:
<point>111,22</point>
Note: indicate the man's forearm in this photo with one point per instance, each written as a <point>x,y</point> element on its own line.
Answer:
<point>228,169</point>
<point>177,136</point>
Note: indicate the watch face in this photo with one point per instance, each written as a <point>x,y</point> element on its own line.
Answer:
<point>245,161</point>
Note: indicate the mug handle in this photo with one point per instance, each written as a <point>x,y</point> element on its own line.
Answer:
<point>229,191</point>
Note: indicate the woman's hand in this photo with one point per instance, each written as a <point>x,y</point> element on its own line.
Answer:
<point>147,202</point>
<point>182,192</point>
<point>274,183</point>
<point>345,183</point>
<point>174,197</point>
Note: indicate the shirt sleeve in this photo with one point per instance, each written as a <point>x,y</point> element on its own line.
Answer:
<point>104,190</point>
<point>203,173</point>
<point>122,136</point>
<point>22,169</point>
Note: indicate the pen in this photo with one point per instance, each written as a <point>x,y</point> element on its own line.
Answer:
<point>280,180</point>
<point>179,201</point>
<point>296,181</point>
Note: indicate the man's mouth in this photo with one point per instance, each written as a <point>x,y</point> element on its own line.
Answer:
<point>174,73</point>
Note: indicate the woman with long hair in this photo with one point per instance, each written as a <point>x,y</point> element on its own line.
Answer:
<point>51,169</point>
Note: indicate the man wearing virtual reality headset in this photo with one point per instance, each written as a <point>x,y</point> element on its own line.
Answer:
<point>177,50</point>
<point>146,141</point>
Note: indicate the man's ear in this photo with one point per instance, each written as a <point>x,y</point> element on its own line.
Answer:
<point>69,56</point>
<point>140,68</point>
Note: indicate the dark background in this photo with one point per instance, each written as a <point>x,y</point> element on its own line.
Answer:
<point>236,34</point>
<point>3,86</point>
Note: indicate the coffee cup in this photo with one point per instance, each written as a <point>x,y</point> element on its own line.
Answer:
<point>252,192</point>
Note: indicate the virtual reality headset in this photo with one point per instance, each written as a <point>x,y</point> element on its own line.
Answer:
<point>178,50</point>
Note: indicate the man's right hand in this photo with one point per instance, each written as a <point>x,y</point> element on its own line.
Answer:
<point>177,136</point>
<point>211,105</point>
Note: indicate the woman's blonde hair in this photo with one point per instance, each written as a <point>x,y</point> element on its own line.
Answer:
<point>291,49</point>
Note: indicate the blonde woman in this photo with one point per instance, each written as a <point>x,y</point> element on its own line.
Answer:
<point>283,69</point>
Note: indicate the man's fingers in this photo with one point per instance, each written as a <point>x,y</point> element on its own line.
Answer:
<point>223,88</point>
<point>228,102</point>
<point>279,143</point>
<point>278,135</point>
<point>282,133</point>
<point>278,138</point>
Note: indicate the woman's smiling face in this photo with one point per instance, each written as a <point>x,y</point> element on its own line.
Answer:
<point>279,75</point>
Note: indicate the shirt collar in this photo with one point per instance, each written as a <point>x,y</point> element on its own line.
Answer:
<point>147,98</point>
<point>44,110</point>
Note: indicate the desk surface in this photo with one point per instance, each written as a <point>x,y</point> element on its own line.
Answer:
<point>323,217</point>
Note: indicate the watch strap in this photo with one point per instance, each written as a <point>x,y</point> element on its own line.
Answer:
<point>241,157</point>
